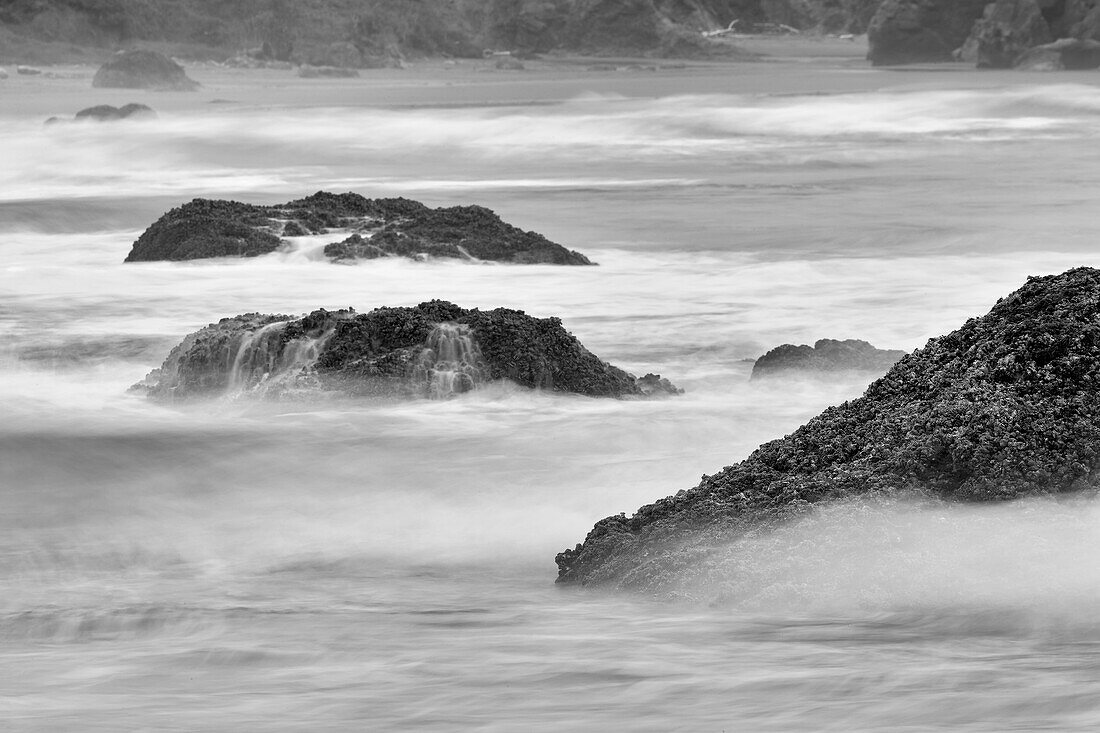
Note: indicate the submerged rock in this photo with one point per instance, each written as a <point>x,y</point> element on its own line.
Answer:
<point>435,349</point>
<point>1007,405</point>
<point>110,113</point>
<point>382,228</point>
<point>826,356</point>
<point>144,70</point>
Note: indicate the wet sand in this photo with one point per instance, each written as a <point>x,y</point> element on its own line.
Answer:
<point>784,66</point>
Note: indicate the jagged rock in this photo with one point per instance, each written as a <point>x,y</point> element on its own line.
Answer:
<point>435,349</point>
<point>1066,53</point>
<point>913,31</point>
<point>144,70</point>
<point>1008,405</point>
<point>1006,30</point>
<point>826,356</point>
<point>206,228</point>
<point>384,227</point>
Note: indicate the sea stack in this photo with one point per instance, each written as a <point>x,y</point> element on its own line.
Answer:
<point>435,349</point>
<point>371,228</point>
<point>1006,406</point>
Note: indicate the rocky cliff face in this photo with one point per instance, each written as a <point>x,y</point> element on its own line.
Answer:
<point>913,31</point>
<point>1007,405</point>
<point>996,34</point>
<point>1015,33</point>
<point>435,349</point>
<point>351,33</point>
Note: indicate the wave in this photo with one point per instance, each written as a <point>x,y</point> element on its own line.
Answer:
<point>928,560</point>
<point>228,151</point>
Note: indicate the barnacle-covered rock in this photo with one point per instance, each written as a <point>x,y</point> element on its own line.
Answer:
<point>435,349</point>
<point>388,227</point>
<point>1007,405</point>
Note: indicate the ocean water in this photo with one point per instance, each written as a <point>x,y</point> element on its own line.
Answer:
<point>346,565</point>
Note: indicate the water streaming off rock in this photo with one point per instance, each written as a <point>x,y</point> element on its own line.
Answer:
<point>281,564</point>
<point>451,363</point>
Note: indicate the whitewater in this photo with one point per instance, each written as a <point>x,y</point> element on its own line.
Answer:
<point>293,564</point>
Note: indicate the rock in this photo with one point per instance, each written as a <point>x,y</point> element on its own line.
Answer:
<point>144,70</point>
<point>914,31</point>
<point>825,357</point>
<point>436,349</point>
<point>1006,30</point>
<point>106,112</point>
<point>3,74</point>
<point>382,227</point>
<point>1066,53</point>
<point>205,228</point>
<point>1006,406</point>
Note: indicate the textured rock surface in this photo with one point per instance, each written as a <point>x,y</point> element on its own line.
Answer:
<point>1007,405</point>
<point>1007,29</point>
<point>913,31</point>
<point>144,70</point>
<point>826,356</point>
<point>1065,53</point>
<point>434,348</point>
<point>383,228</point>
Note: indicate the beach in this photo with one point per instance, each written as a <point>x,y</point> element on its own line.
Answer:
<point>254,565</point>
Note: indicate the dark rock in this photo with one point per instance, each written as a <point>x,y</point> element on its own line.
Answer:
<point>914,31</point>
<point>144,70</point>
<point>825,357</point>
<point>1006,30</point>
<point>435,349</point>
<point>106,112</point>
<point>386,227</point>
<point>1066,53</point>
<point>1006,406</point>
<point>205,228</point>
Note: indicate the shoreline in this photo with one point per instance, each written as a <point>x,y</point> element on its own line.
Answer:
<point>780,65</point>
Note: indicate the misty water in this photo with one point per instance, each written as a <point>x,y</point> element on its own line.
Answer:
<point>337,565</point>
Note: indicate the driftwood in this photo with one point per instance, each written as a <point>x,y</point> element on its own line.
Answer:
<point>769,29</point>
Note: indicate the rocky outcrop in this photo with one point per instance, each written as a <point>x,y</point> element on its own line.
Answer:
<point>436,349</point>
<point>1005,31</point>
<point>396,227</point>
<point>109,113</point>
<point>914,31</point>
<point>1021,33</point>
<point>825,357</point>
<point>144,70</point>
<point>106,112</point>
<point>1065,53</point>
<point>1008,405</point>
